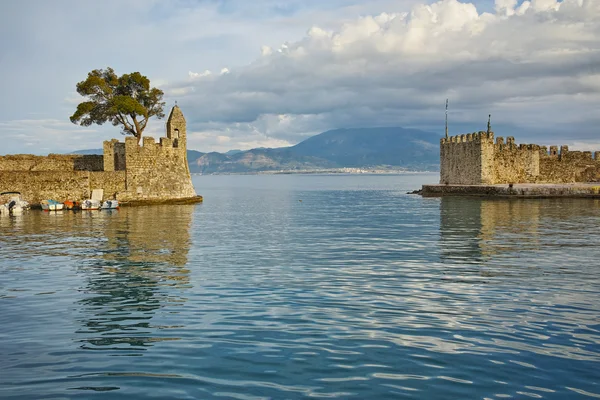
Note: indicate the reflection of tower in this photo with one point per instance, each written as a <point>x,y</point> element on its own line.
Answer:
<point>460,224</point>
<point>157,235</point>
<point>474,229</point>
<point>509,225</point>
<point>139,268</point>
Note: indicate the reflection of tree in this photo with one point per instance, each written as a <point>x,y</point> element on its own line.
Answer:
<point>139,267</point>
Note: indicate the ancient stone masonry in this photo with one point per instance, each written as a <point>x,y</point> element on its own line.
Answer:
<point>126,171</point>
<point>475,159</point>
<point>52,162</point>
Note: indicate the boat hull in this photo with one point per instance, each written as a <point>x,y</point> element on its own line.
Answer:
<point>110,205</point>
<point>52,207</point>
<point>90,205</point>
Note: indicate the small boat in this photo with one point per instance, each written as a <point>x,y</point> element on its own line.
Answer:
<point>90,205</point>
<point>95,202</point>
<point>15,208</point>
<point>110,205</point>
<point>72,205</point>
<point>15,205</point>
<point>51,205</point>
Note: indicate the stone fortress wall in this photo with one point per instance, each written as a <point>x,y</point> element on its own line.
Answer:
<point>52,162</point>
<point>126,171</point>
<point>476,159</point>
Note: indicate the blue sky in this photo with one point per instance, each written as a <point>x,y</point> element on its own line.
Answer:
<point>273,72</point>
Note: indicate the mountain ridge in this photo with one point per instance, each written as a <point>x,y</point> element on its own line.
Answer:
<point>379,147</point>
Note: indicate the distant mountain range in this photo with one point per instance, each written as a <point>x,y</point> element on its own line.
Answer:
<point>396,148</point>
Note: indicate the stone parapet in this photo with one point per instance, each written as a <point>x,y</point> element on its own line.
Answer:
<point>153,172</point>
<point>474,159</point>
<point>52,162</point>
<point>591,190</point>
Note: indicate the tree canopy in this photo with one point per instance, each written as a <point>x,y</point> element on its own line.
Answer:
<point>128,101</point>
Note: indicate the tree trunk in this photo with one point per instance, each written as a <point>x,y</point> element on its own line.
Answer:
<point>138,129</point>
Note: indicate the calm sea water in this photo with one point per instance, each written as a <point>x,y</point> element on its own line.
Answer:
<point>288,287</point>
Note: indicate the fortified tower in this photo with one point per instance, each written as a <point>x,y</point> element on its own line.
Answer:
<point>176,128</point>
<point>475,159</point>
<point>176,131</point>
<point>127,171</point>
<point>153,171</point>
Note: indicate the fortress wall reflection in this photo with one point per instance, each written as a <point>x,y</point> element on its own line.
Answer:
<point>158,234</point>
<point>139,268</point>
<point>474,229</point>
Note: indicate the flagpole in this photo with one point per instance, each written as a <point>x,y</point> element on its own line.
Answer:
<point>446,118</point>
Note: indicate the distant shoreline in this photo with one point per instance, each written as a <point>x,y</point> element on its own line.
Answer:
<point>334,171</point>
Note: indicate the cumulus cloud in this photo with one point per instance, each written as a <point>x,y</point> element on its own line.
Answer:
<point>533,65</point>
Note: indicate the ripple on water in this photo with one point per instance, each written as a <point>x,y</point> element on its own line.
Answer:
<point>358,291</point>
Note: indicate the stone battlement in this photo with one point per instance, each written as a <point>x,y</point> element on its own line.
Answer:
<point>476,159</point>
<point>155,171</point>
<point>52,162</point>
<point>468,137</point>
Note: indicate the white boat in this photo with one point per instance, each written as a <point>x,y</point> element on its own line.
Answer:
<point>15,205</point>
<point>95,202</point>
<point>90,205</point>
<point>110,205</point>
<point>4,209</point>
<point>51,205</point>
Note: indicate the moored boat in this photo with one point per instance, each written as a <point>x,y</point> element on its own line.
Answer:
<point>110,205</point>
<point>51,205</point>
<point>72,204</point>
<point>90,204</point>
<point>95,202</point>
<point>15,204</point>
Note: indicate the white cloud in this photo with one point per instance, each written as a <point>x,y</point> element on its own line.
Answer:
<point>223,140</point>
<point>531,66</point>
<point>199,74</point>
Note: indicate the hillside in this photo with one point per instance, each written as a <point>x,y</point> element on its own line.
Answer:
<point>360,147</point>
<point>373,146</point>
<point>400,148</point>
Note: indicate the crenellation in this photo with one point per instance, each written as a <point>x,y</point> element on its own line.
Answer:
<point>126,170</point>
<point>474,159</point>
<point>148,142</point>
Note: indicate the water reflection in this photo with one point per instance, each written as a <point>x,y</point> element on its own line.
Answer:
<point>139,268</point>
<point>473,230</point>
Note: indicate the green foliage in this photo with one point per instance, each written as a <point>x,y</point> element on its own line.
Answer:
<point>127,101</point>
